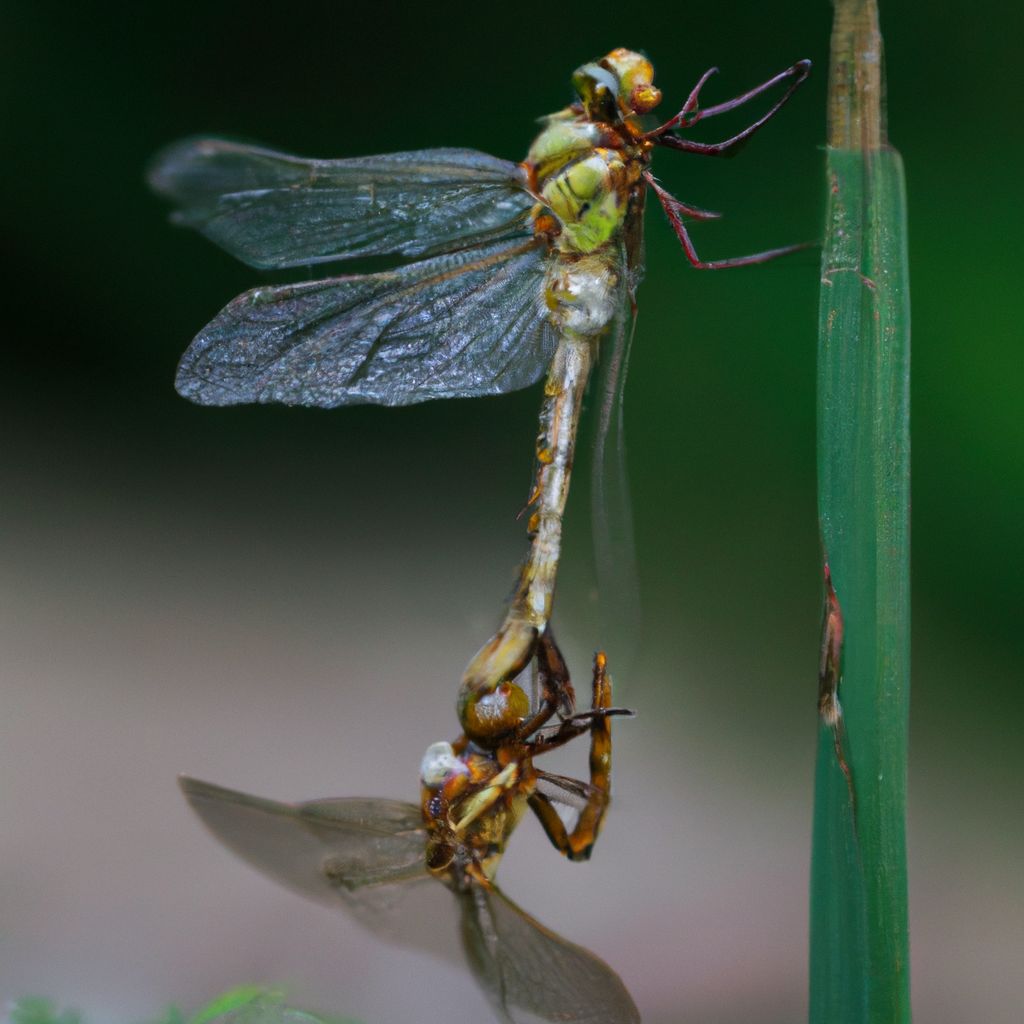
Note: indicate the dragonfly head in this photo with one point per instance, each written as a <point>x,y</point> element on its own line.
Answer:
<point>444,777</point>
<point>598,90</point>
<point>620,85</point>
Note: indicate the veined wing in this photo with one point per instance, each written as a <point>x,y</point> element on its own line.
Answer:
<point>619,609</point>
<point>352,851</point>
<point>530,973</point>
<point>572,793</point>
<point>471,322</point>
<point>275,210</point>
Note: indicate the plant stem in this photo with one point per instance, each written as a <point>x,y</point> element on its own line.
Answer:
<point>859,940</point>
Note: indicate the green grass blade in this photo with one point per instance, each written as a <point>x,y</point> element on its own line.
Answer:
<point>859,940</point>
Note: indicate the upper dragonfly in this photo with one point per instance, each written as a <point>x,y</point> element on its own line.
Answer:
<point>518,269</point>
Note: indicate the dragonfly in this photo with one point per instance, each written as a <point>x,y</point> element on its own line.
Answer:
<point>361,853</point>
<point>516,270</point>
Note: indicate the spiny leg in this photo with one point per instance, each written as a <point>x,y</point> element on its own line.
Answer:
<point>578,843</point>
<point>674,210</point>
<point>798,72</point>
<point>556,691</point>
<point>689,116</point>
<point>680,120</point>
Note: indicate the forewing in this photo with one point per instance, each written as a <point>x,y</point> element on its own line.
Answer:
<point>349,851</point>
<point>275,210</point>
<point>471,322</point>
<point>530,973</point>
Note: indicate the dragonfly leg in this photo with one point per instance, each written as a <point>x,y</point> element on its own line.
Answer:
<point>578,843</point>
<point>484,799</point>
<point>728,147</point>
<point>570,728</point>
<point>680,120</point>
<point>675,210</point>
<point>556,691</point>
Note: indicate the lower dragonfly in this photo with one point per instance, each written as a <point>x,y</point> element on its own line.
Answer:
<point>518,269</point>
<point>359,852</point>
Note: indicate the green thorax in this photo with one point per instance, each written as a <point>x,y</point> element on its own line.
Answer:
<point>581,182</point>
<point>565,136</point>
<point>588,158</point>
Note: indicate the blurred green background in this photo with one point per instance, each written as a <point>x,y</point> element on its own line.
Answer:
<point>283,600</point>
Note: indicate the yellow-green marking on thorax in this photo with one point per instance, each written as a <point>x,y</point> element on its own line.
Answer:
<point>589,197</point>
<point>564,138</point>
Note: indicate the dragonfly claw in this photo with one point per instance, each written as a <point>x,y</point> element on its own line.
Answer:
<point>594,714</point>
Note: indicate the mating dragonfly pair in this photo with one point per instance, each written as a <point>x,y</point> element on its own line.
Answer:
<point>517,269</point>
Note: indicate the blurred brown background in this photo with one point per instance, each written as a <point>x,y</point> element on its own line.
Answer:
<point>283,600</point>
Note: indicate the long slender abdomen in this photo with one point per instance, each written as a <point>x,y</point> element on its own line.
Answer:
<point>582,294</point>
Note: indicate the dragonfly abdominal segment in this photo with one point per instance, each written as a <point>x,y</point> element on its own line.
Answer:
<point>503,657</point>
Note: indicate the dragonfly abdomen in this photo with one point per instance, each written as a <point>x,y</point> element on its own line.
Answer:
<point>567,380</point>
<point>509,651</point>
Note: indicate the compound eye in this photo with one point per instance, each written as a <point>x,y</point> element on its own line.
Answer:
<point>439,762</point>
<point>635,74</point>
<point>598,90</point>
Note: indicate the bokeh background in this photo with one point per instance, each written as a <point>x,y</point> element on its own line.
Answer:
<point>283,600</point>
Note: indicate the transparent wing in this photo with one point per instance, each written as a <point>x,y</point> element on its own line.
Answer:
<point>349,851</point>
<point>561,789</point>
<point>471,322</point>
<point>611,497</point>
<point>531,974</point>
<point>619,612</point>
<point>275,210</point>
